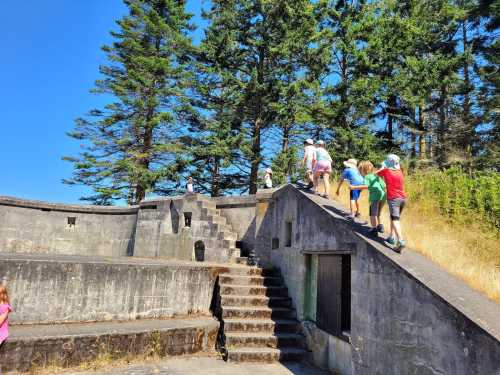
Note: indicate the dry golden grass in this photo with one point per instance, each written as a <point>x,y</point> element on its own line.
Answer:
<point>470,252</point>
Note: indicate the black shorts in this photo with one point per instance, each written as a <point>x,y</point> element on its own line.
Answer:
<point>376,207</point>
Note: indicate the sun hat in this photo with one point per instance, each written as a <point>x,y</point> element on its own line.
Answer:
<point>269,170</point>
<point>309,141</point>
<point>351,163</point>
<point>392,162</point>
<point>320,142</point>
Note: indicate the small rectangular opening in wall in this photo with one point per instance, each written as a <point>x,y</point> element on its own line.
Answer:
<point>187,219</point>
<point>45,209</point>
<point>275,243</point>
<point>288,234</point>
<point>71,221</point>
<point>149,207</point>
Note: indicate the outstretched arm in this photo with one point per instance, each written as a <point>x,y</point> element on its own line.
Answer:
<point>4,316</point>
<point>358,187</point>
<point>339,185</point>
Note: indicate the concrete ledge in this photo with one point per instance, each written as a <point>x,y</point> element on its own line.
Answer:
<point>67,345</point>
<point>82,289</point>
<point>74,208</point>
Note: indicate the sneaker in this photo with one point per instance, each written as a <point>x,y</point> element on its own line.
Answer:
<point>391,241</point>
<point>401,246</point>
<point>357,214</point>
<point>373,232</point>
<point>380,228</point>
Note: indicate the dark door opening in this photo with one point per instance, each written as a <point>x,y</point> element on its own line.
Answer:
<point>199,251</point>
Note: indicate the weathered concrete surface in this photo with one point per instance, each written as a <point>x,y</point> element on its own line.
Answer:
<point>73,289</point>
<point>208,366</point>
<point>250,217</point>
<point>408,316</point>
<point>162,230</point>
<point>40,227</point>
<point>68,345</point>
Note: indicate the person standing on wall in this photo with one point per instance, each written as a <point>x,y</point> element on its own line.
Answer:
<point>322,166</point>
<point>307,161</point>
<point>268,178</point>
<point>351,174</point>
<point>393,176</point>
<point>190,186</point>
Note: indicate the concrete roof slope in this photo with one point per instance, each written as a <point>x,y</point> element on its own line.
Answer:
<point>482,311</point>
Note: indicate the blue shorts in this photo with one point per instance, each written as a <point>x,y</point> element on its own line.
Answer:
<point>355,194</point>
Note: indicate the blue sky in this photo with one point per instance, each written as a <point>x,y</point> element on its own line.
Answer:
<point>49,59</point>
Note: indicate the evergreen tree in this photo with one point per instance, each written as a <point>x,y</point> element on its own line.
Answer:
<point>254,45</point>
<point>132,146</point>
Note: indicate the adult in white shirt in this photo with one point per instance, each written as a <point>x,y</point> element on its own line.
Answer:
<point>307,161</point>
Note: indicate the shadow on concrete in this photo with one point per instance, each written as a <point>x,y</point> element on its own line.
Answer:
<point>358,226</point>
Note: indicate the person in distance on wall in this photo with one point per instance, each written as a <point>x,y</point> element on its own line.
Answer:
<point>307,161</point>
<point>268,178</point>
<point>190,186</point>
<point>322,166</point>
<point>393,176</point>
<point>351,174</point>
<point>376,195</point>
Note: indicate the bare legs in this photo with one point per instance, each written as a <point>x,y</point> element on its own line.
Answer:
<point>396,230</point>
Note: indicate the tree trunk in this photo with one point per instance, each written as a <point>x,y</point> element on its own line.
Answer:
<point>215,188</point>
<point>255,162</point>
<point>422,132</point>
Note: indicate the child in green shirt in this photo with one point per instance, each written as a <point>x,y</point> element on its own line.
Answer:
<point>376,195</point>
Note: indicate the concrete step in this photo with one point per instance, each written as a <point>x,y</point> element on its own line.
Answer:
<point>257,271</point>
<point>251,280</point>
<point>206,203</point>
<point>228,243</point>
<point>254,290</point>
<point>265,354</point>
<point>234,253</point>
<point>241,260</point>
<point>261,325</point>
<point>217,219</point>
<point>264,340</point>
<point>227,236</point>
<point>257,312</point>
<point>64,345</point>
<point>234,300</point>
<point>207,213</point>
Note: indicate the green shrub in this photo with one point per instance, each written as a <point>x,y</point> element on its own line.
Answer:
<point>461,196</point>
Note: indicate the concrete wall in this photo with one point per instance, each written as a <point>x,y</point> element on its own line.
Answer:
<point>40,227</point>
<point>55,289</point>
<point>408,316</point>
<point>161,230</point>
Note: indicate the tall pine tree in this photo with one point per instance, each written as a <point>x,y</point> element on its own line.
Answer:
<point>131,145</point>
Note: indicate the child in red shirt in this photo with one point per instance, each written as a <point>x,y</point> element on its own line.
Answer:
<point>396,198</point>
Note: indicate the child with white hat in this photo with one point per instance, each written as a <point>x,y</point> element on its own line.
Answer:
<point>396,198</point>
<point>352,175</point>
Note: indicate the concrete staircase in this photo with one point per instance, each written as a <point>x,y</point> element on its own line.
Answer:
<point>259,321</point>
<point>221,230</point>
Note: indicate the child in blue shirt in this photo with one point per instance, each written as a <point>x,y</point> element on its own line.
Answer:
<point>352,175</point>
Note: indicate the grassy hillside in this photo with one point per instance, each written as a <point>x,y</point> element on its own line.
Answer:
<point>453,219</point>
